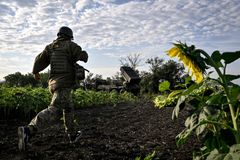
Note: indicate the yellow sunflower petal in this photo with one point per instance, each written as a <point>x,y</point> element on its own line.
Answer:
<point>189,65</point>
<point>185,61</point>
<point>199,78</point>
<point>173,52</point>
<point>193,69</point>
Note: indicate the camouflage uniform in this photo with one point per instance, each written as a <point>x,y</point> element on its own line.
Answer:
<point>61,54</point>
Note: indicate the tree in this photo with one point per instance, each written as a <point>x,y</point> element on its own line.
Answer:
<point>172,72</point>
<point>160,71</point>
<point>89,78</point>
<point>155,63</point>
<point>146,82</point>
<point>44,80</point>
<point>19,80</point>
<point>132,60</point>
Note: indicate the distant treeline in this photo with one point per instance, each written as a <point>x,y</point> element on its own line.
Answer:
<point>159,71</point>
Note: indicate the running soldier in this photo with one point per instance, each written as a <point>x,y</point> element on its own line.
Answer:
<point>61,55</point>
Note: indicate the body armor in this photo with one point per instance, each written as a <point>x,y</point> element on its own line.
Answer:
<point>61,54</point>
<point>59,58</point>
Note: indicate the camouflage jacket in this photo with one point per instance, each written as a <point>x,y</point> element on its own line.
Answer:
<point>61,54</point>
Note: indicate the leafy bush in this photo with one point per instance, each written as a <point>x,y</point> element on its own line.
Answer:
<point>16,101</point>
<point>23,100</point>
<point>83,98</point>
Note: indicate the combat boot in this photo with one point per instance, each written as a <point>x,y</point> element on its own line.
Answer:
<point>23,137</point>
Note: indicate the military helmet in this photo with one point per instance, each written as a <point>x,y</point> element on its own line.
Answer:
<point>66,31</point>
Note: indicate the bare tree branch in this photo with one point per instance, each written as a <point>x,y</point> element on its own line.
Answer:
<point>132,60</point>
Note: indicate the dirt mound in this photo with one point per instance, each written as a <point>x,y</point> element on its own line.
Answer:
<point>121,132</point>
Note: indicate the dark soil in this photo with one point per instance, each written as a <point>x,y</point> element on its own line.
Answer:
<point>121,132</point>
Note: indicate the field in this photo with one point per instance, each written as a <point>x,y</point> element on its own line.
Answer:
<point>200,114</point>
<point>124,131</point>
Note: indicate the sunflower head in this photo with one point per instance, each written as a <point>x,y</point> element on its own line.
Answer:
<point>191,59</point>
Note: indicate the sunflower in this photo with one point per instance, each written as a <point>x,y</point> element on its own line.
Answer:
<point>188,62</point>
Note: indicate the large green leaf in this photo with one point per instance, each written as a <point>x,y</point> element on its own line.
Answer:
<point>219,64</point>
<point>210,141</point>
<point>233,154</point>
<point>191,88</point>
<point>176,110</point>
<point>164,86</point>
<point>235,92</point>
<point>214,100</point>
<point>230,57</point>
<point>216,56</point>
<point>215,155</point>
<point>202,116</point>
<point>188,80</point>
<point>235,148</point>
<point>230,77</point>
<point>191,121</point>
<point>183,136</point>
<point>174,93</point>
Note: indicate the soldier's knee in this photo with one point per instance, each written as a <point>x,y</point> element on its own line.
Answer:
<point>53,110</point>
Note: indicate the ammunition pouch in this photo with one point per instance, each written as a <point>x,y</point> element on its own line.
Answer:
<point>79,72</point>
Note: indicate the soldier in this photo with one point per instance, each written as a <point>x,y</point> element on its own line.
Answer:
<point>61,55</point>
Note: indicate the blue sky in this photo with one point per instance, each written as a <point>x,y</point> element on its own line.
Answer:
<point>111,29</point>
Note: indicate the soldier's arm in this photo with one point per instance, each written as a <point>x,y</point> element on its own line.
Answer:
<point>41,61</point>
<point>78,53</point>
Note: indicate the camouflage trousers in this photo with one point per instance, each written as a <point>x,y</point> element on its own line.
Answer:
<point>61,107</point>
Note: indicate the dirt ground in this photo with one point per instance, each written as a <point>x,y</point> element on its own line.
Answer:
<point>121,132</point>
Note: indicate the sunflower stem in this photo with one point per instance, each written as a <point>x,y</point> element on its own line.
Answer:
<point>234,115</point>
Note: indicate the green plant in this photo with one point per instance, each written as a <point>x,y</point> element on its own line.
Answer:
<point>27,100</point>
<point>23,100</point>
<point>149,156</point>
<point>169,99</point>
<point>214,102</point>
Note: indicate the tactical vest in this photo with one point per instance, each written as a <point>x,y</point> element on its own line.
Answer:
<point>60,58</point>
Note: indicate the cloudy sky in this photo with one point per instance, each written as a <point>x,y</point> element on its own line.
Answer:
<point>111,29</point>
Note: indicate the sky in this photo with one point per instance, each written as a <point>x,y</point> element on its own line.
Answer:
<point>112,29</point>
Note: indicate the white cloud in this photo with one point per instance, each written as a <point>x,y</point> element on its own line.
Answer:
<point>12,64</point>
<point>120,26</point>
<point>105,71</point>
